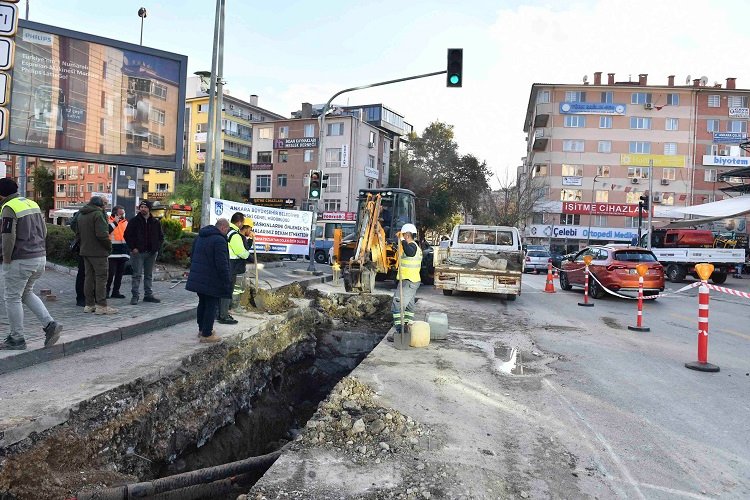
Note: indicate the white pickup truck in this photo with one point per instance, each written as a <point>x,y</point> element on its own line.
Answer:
<point>480,258</point>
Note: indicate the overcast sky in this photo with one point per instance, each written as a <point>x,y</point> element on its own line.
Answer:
<point>304,51</point>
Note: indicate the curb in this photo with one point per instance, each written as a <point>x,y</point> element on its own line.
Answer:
<point>25,359</point>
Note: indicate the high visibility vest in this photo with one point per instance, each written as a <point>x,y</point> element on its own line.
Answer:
<point>118,234</point>
<point>410,266</point>
<point>22,206</point>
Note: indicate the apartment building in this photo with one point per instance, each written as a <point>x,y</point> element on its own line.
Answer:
<point>591,146</point>
<point>356,156</point>
<point>76,182</point>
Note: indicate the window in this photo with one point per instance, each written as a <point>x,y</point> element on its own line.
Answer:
<point>672,124</point>
<point>101,169</point>
<point>265,133</point>
<point>265,156</point>
<point>607,97</point>
<point>737,101</point>
<point>310,130</point>
<point>570,219</point>
<point>92,168</point>
<point>372,138</point>
<point>201,127</point>
<point>640,98</point>
<point>602,171</point>
<point>308,155</point>
<point>73,173</point>
<point>714,101</point>
<point>159,90</point>
<point>539,171</point>
<point>90,187</point>
<point>605,122</point>
<point>61,188</point>
<point>709,175</point>
<point>604,147</point>
<point>667,198</point>
<point>572,170</point>
<point>281,180</point>
<point>335,128</point>
<point>371,162</point>
<point>202,108</point>
<point>601,196</point>
<point>570,195</point>
<point>162,187</point>
<point>712,125</point>
<point>157,115</point>
<point>640,123</point>
<point>102,126</point>
<point>263,184</point>
<point>576,121</point>
<point>669,173</point>
<point>737,126</point>
<point>673,99</point>
<point>283,132</point>
<point>333,157</point>
<point>573,145</point>
<point>638,172</point>
<point>631,221</point>
<point>332,205</point>
<point>101,187</point>
<point>542,97</point>
<point>599,221</point>
<point>283,156</point>
<point>156,140</point>
<point>670,148</point>
<point>334,183</point>
<point>639,147</point>
<point>633,197</point>
<point>371,184</point>
<point>575,96</point>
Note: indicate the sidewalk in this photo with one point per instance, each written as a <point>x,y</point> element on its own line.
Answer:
<point>83,331</point>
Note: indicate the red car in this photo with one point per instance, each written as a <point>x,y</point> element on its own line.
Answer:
<point>615,268</point>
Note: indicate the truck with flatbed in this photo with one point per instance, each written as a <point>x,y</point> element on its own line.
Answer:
<point>481,258</point>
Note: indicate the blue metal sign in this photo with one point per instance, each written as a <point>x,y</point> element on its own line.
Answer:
<point>729,137</point>
<point>592,108</point>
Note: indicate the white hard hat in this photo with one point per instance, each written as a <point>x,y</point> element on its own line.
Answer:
<point>409,228</point>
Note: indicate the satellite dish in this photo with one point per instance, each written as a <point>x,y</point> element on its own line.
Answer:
<point>687,80</point>
<point>585,78</point>
<point>704,80</point>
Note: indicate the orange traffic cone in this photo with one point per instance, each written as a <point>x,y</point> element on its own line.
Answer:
<point>550,286</point>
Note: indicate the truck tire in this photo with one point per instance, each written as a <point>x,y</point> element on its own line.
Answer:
<point>564,281</point>
<point>510,297</point>
<point>447,292</point>
<point>718,278</point>
<point>676,273</point>
<point>321,257</point>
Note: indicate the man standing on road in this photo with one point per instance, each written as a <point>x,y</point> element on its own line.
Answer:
<point>119,255</point>
<point>24,257</point>
<point>408,274</point>
<point>238,255</point>
<point>96,246</point>
<point>144,238</point>
<point>210,276</point>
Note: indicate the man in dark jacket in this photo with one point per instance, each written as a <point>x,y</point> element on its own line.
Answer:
<point>144,238</point>
<point>209,276</point>
<point>93,232</point>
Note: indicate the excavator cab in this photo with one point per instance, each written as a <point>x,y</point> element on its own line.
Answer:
<point>372,253</point>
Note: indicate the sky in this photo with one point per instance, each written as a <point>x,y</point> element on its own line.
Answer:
<point>303,51</point>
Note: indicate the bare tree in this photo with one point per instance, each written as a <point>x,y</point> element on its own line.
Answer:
<point>514,202</point>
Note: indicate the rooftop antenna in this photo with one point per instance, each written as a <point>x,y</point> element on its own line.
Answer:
<point>687,80</point>
<point>585,79</point>
<point>704,81</point>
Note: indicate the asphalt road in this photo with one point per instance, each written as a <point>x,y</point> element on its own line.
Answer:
<point>637,422</point>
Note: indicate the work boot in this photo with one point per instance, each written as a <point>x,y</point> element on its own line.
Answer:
<point>13,345</point>
<point>117,295</point>
<point>134,300</point>
<point>89,309</point>
<point>211,339</point>
<point>106,310</point>
<point>151,298</point>
<point>229,320</point>
<point>52,333</point>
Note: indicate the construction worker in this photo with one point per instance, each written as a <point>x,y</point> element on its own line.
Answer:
<point>238,255</point>
<point>408,275</point>
<point>120,253</point>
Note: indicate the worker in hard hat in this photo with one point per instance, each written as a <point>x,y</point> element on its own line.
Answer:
<point>408,276</point>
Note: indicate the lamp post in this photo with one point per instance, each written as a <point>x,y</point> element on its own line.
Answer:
<point>591,209</point>
<point>142,15</point>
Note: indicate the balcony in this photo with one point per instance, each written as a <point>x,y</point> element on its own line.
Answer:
<point>237,154</point>
<point>244,137</point>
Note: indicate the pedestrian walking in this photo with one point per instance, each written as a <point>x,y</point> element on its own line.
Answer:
<point>144,237</point>
<point>93,232</point>
<point>210,276</point>
<point>24,258</point>
<point>238,254</point>
<point>120,254</point>
<point>408,276</point>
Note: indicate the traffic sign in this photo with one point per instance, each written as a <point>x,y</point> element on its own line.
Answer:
<point>4,94</point>
<point>3,122</point>
<point>8,19</point>
<point>7,47</point>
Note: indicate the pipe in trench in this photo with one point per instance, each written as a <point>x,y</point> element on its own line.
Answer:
<point>207,477</point>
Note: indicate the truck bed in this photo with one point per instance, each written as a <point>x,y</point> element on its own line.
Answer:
<point>696,255</point>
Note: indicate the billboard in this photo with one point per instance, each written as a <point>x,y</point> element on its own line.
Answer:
<point>81,97</point>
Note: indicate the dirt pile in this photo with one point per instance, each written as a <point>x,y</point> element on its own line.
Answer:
<point>271,301</point>
<point>352,308</point>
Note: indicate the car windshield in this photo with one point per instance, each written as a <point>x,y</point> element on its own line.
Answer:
<point>635,256</point>
<point>538,254</point>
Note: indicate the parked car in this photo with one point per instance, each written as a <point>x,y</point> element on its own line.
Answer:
<point>558,258</point>
<point>537,260</point>
<point>615,268</point>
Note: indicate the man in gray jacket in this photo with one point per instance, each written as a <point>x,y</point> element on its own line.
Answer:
<point>24,258</point>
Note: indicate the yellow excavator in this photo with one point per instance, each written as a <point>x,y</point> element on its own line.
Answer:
<point>370,253</point>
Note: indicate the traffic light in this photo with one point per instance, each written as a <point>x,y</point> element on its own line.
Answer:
<point>644,202</point>
<point>454,76</point>
<point>324,184</point>
<point>315,184</point>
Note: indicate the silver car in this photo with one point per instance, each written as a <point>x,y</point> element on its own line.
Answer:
<point>537,260</point>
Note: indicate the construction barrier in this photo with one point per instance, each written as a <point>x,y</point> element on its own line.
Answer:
<point>587,260</point>
<point>642,270</point>
<point>549,287</point>
<point>702,364</point>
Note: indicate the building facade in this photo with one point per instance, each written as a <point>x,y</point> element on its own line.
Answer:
<point>590,148</point>
<point>76,182</point>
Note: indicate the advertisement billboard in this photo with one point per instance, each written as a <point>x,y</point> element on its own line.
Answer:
<point>77,96</point>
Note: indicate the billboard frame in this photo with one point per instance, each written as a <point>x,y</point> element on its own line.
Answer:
<point>132,161</point>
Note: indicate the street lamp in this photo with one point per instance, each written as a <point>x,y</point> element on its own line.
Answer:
<point>591,209</point>
<point>142,15</point>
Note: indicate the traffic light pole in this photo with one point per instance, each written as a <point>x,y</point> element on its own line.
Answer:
<point>321,149</point>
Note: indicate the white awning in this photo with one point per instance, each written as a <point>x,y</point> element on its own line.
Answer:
<point>731,207</point>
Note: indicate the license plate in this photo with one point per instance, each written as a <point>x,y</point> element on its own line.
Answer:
<point>480,281</point>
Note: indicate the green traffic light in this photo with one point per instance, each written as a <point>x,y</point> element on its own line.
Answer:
<point>454,79</point>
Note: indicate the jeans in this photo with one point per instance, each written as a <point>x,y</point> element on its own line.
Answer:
<point>20,276</point>
<point>410,293</point>
<point>80,279</point>
<point>114,277</point>
<point>95,285</point>
<point>207,307</point>
<point>143,267</point>
<point>225,304</point>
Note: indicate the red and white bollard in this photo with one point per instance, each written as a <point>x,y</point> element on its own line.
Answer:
<point>702,364</point>
<point>639,320</point>
<point>586,302</point>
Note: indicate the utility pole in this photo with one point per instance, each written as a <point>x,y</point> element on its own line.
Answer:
<point>650,201</point>
<point>218,137</point>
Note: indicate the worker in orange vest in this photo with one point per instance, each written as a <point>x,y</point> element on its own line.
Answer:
<point>120,252</point>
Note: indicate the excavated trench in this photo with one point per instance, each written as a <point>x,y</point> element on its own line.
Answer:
<point>236,400</point>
